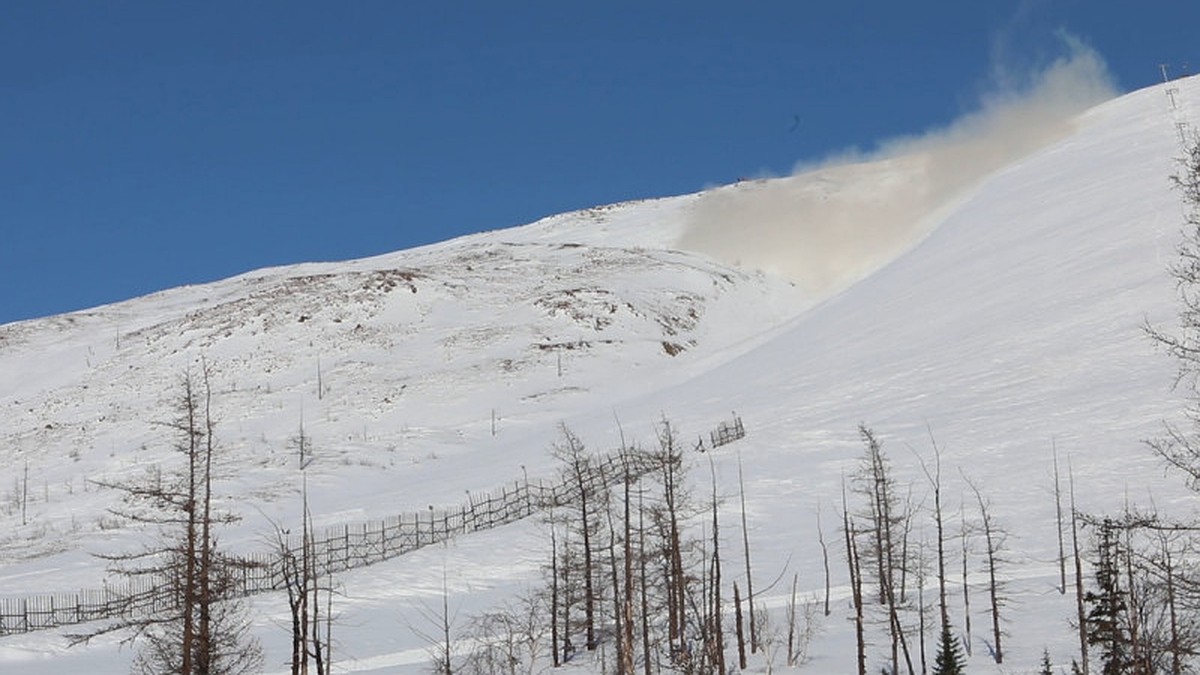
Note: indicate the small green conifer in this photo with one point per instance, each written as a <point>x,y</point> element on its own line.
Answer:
<point>949,659</point>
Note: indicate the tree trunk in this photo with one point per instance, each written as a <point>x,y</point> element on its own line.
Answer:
<point>554,597</point>
<point>852,563</point>
<point>966,586</point>
<point>824,557</point>
<point>749,567</point>
<point>627,551</point>
<point>739,625</point>
<point>1058,512</point>
<point>718,645</point>
<point>615,579</point>
<point>1081,614</point>
<point>791,623</point>
<point>642,584</point>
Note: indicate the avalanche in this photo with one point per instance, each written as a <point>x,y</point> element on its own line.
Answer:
<point>1010,323</point>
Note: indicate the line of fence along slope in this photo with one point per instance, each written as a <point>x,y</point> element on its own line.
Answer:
<point>347,546</point>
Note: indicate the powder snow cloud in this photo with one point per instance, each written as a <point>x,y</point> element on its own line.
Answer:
<point>828,225</point>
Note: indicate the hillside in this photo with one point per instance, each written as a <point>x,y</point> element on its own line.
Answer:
<point>1009,324</point>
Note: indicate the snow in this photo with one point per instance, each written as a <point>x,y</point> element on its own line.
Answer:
<point>1010,326</point>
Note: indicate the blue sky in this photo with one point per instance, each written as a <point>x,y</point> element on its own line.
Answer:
<point>145,145</point>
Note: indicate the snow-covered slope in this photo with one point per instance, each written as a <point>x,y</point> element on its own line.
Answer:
<point>1012,327</point>
<point>387,362</point>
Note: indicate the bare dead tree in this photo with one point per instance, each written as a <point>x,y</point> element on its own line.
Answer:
<point>1172,637</point>
<point>568,590</point>
<point>620,559</point>
<point>994,538</point>
<point>906,525</point>
<point>617,614</point>
<point>293,585</point>
<point>24,493</point>
<point>739,626</point>
<point>888,520</point>
<point>643,583</point>
<point>627,551</point>
<point>554,595</point>
<point>1058,512</point>
<point>657,608</point>
<point>509,639</point>
<point>446,620</point>
<point>1166,565</point>
<point>1080,611</point>
<point>578,466</point>
<point>203,629</point>
<point>669,461</point>
<point>921,608</point>
<point>746,551</point>
<point>439,644</point>
<point>1177,447</point>
<point>317,644</point>
<point>791,622</point>
<point>856,590</point>
<point>301,581</point>
<point>301,443</point>
<point>804,625</point>
<point>824,556</point>
<point>311,635</point>
<point>965,539</point>
<point>436,628</point>
<point>717,631</point>
<point>1136,592</point>
<point>935,482</point>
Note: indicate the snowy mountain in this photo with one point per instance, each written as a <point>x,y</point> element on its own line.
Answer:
<point>1008,323</point>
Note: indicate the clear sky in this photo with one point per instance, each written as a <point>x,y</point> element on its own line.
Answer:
<point>149,144</point>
